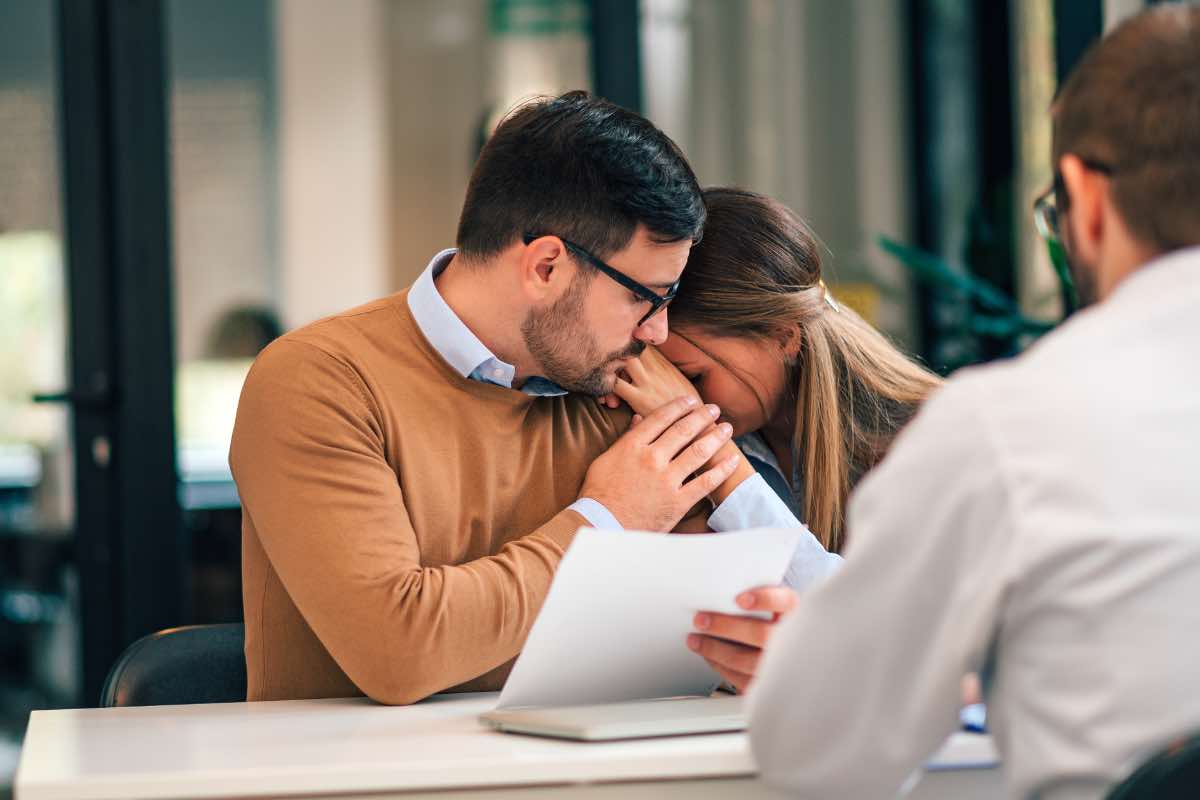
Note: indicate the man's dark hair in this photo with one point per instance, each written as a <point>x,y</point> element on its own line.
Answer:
<point>578,167</point>
<point>1133,105</point>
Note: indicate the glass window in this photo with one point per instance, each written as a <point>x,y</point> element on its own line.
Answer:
<point>38,611</point>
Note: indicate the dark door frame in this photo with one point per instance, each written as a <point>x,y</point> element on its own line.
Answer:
<point>941,77</point>
<point>118,265</point>
<point>616,51</point>
<point>1077,23</point>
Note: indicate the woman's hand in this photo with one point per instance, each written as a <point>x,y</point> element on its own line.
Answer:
<point>653,382</point>
<point>733,645</point>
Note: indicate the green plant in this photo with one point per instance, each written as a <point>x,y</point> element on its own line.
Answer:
<point>994,314</point>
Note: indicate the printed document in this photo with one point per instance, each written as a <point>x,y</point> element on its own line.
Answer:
<point>615,622</point>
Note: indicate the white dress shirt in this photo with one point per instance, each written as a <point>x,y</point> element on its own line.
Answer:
<point>752,504</point>
<point>1040,521</point>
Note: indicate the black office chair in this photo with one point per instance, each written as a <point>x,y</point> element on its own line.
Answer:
<point>1172,773</point>
<point>194,664</point>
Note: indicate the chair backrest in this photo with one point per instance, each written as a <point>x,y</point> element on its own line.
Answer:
<point>194,664</point>
<point>1173,772</point>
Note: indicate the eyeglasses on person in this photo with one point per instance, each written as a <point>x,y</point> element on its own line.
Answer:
<point>657,301</point>
<point>1048,208</point>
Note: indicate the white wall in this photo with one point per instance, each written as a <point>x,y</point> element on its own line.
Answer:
<point>1035,83</point>
<point>438,59</point>
<point>452,78</point>
<point>223,168</point>
<point>334,162</point>
<point>883,148</point>
<point>220,188</point>
<point>1115,11</point>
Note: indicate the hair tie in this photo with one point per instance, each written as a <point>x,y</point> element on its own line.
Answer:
<point>829,296</point>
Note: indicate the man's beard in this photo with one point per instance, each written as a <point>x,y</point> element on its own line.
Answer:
<point>1084,278</point>
<point>560,341</point>
<point>1082,275</point>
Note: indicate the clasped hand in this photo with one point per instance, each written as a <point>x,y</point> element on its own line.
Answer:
<point>645,479</point>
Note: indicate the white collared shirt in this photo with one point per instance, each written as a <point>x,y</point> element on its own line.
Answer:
<point>751,505</point>
<point>455,342</point>
<point>1038,521</point>
<point>472,359</point>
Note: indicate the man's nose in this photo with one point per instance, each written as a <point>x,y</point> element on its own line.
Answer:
<point>654,330</point>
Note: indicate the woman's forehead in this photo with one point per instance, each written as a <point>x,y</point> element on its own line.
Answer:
<point>695,343</point>
<point>682,344</point>
<point>736,356</point>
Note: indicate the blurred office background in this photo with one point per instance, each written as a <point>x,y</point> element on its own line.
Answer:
<point>180,181</point>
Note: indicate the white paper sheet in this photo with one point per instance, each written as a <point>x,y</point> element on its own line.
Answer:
<point>615,623</point>
<point>964,750</point>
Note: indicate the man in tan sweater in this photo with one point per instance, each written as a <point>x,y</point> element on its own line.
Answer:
<point>411,471</point>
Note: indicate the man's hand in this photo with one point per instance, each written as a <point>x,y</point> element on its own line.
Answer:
<point>643,479</point>
<point>731,644</point>
<point>653,382</point>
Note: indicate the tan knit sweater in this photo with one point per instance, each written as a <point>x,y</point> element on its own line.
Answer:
<point>401,524</point>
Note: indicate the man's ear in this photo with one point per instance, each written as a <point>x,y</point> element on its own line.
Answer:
<point>1087,198</point>
<point>542,268</point>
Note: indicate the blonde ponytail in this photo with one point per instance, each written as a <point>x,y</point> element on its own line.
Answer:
<point>855,390</point>
<point>817,439</point>
<point>756,274</point>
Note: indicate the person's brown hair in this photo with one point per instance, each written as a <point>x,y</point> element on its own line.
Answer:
<point>757,275</point>
<point>1133,104</point>
<point>579,167</point>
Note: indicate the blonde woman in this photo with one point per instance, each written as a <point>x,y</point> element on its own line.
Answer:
<point>814,394</point>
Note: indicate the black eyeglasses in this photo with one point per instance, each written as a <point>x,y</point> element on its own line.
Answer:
<point>657,301</point>
<point>1047,218</point>
<point>1049,204</point>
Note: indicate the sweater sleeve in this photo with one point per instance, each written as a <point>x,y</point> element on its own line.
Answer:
<point>308,459</point>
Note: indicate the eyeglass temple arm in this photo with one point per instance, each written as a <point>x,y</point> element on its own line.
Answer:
<point>620,277</point>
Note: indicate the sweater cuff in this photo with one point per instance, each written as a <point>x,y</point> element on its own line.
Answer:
<point>562,527</point>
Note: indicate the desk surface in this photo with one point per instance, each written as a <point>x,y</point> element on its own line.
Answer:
<point>335,747</point>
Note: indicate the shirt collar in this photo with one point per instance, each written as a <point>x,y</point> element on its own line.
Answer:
<point>455,342</point>
<point>754,445</point>
<point>755,448</point>
<point>1161,277</point>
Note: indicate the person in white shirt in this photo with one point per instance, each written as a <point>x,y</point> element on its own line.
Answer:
<point>1039,520</point>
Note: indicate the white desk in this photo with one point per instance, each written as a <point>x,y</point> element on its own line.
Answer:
<point>323,747</point>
